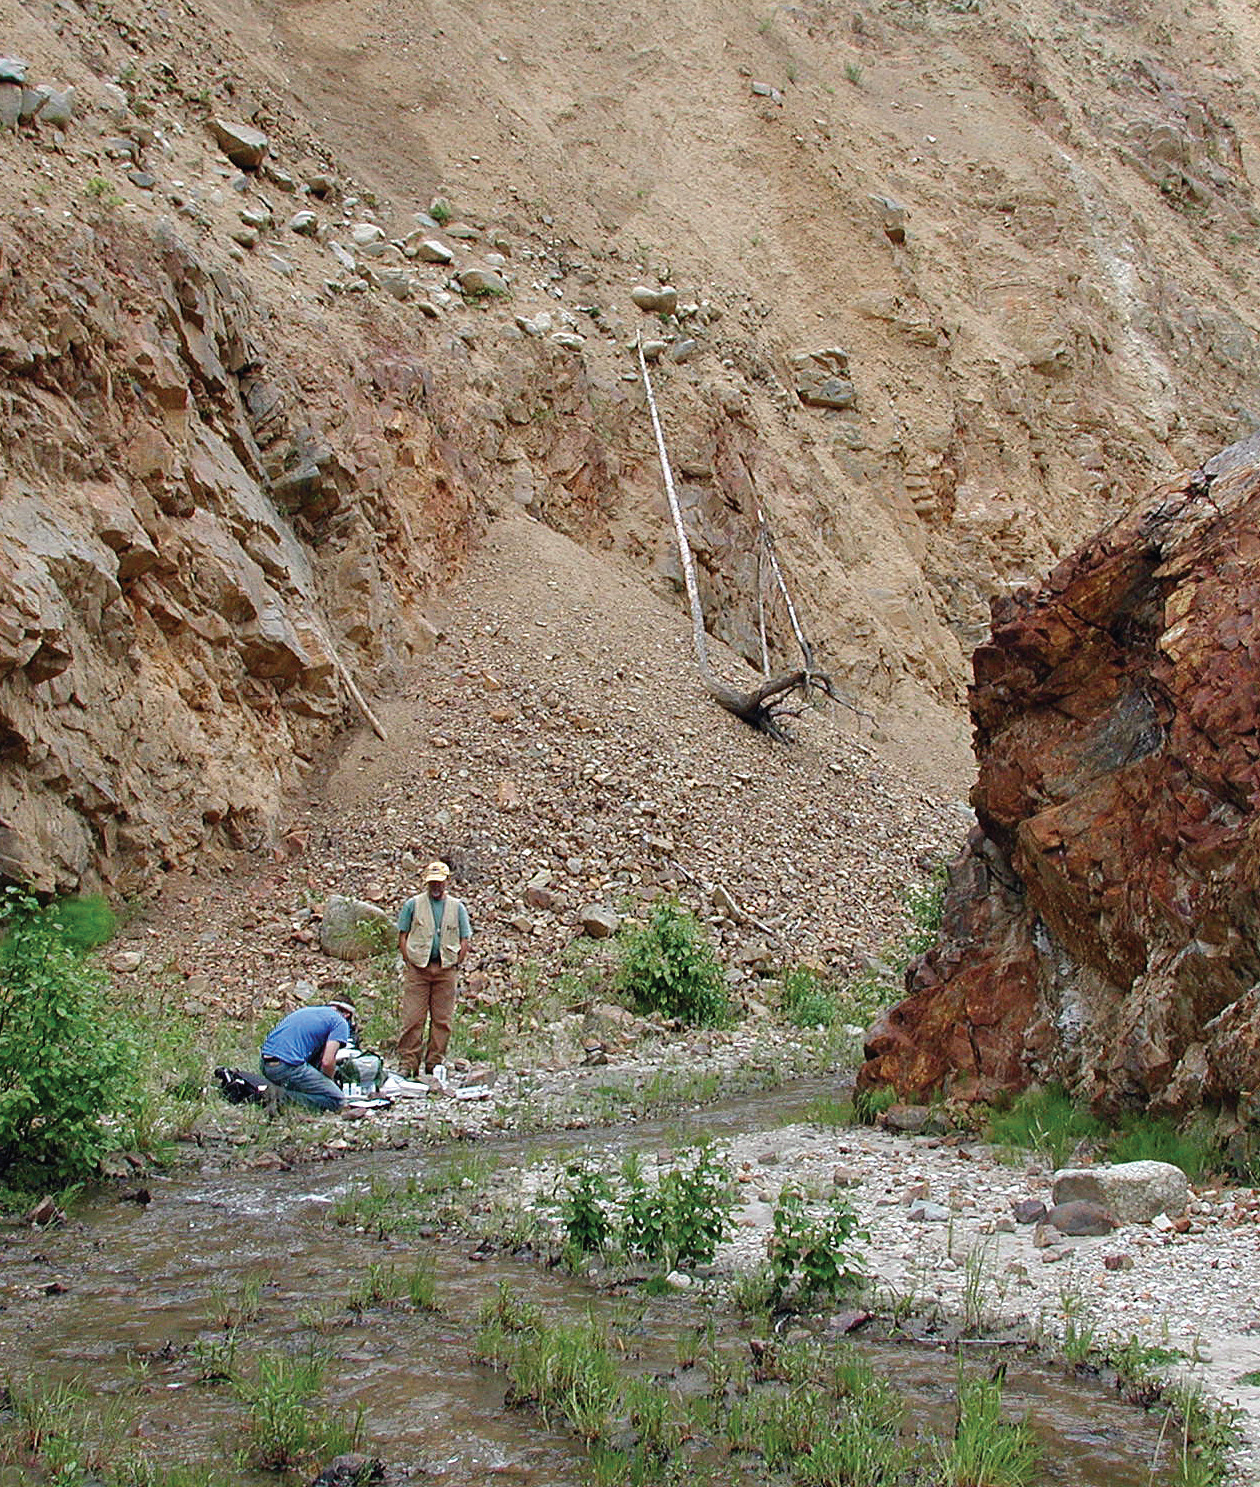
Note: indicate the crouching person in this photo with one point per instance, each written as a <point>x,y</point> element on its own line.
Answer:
<point>300,1054</point>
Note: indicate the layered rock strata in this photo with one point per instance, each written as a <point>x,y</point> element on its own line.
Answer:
<point>194,554</point>
<point>1103,925</point>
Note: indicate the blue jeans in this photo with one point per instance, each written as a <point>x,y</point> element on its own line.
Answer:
<point>304,1083</point>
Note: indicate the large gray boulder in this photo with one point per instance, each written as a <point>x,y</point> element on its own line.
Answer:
<point>1134,1191</point>
<point>477,281</point>
<point>354,930</point>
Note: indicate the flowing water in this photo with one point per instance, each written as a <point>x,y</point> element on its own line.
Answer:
<point>143,1283</point>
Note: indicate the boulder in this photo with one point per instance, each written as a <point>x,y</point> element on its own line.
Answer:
<point>1081,1218</point>
<point>906,1120</point>
<point>479,281</point>
<point>244,146</point>
<point>599,921</point>
<point>659,301</point>
<point>605,1022</point>
<point>429,250</point>
<point>1100,928</point>
<point>821,377</point>
<point>892,217</point>
<point>354,930</point>
<point>352,1469</point>
<point>1134,1191</point>
<point>923,1211</point>
<point>53,106</point>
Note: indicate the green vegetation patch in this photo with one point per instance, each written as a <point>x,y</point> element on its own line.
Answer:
<point>668,968</point>
<point>67,1061</point>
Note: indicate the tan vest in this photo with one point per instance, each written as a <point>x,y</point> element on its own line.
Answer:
<point>420,936</point>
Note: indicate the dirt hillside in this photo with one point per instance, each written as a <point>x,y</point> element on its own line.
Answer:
<point>297,302</point>
<point>556,750</point>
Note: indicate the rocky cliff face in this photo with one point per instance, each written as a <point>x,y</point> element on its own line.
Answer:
<point>285,318</point>
<point>194,546</point>
<point>1102,927</point>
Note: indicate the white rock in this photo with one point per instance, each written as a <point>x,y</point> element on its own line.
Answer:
<point>1136,1192</point>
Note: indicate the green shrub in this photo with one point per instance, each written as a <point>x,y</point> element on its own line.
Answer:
<point>679,1220</point>
<point>924,906</point>
<point>584,1209</point>
<point>64,1062</point>
<point>669,967</point>
<point>806,998</point>
<point>692,1207</point>
<point>814,1256</point>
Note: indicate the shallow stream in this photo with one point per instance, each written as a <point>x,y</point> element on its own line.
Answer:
<point>119,1297</point>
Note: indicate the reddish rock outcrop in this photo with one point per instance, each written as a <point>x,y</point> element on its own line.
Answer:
<point>1103,925</point>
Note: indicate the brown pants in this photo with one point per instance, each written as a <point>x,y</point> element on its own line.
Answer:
<point>428,994</point>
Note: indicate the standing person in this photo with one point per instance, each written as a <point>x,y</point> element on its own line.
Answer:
<point>300,1054</point>
<point>433,936</point>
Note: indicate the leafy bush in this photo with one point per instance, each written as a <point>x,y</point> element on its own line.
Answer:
<point>806,998</point>
<point>669,967</point>
<point>694,1204</point>
<point>679,1220</point>
<point>814,1256</point>
<point>584,1209</point>
<point>924,906</point>
<point>64,1062</point>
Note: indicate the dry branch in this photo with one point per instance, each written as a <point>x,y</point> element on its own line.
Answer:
<point>756,708</point>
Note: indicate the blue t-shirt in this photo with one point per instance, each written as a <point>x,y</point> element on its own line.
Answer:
<point>302,1034</point>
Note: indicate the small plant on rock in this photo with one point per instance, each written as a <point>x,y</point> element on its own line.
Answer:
<point>668,967</point>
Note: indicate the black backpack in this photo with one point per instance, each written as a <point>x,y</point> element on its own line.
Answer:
<point>239,1087</point>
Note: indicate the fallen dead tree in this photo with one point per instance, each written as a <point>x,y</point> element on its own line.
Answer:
<point>764,706</point>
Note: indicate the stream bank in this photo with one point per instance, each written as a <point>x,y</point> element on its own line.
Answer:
<point>126,1292</point>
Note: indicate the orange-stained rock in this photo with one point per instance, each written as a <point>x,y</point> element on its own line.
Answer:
<point>1103,925</point>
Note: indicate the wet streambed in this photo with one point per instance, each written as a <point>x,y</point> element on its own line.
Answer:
<point>121,1297</point>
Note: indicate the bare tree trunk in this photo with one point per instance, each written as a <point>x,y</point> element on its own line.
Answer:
<point>761,598</point>
<point>756,708</point>
<point>768,542</point>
